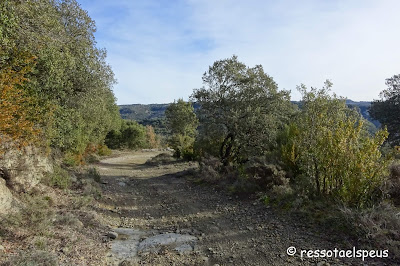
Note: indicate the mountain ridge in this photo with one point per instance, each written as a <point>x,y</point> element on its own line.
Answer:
<point>154,114</point>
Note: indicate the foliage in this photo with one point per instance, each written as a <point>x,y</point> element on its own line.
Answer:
<point>328,144</point>
<point>151,137</point>
<point>103,150</point>
<point>68,76</point>
<point>241,110</point>
<point>387,109</point>
<point>182,123</point>
<point>59,178</point>
<point>393,184</point>
<point>17,114</point>
<point>131,135</point>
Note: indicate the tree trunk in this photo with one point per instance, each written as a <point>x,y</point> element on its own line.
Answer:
<point>225,154</point>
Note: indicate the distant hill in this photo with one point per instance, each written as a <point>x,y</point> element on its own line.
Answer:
<point>363,109</point>
<point>141,112</point>
<point>154,114</point>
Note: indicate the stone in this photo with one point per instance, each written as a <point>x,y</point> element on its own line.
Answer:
<point>112,235</point>
<point>184,248</point>
<point>176,241</point>
<point>26,167</point>
<point>127,248</point>
<point>6,198</point>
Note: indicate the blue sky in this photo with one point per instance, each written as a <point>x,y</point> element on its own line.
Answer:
<point>159,49</point>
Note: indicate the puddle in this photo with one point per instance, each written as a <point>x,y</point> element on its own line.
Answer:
<point>130,243</point>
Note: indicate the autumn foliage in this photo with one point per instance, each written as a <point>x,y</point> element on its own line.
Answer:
<point>16,107</point>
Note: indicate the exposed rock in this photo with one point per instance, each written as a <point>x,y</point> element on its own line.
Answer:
<point>179,242</point>
<point>127,248</point>
<point>26,167</point>
<point>7,202</point>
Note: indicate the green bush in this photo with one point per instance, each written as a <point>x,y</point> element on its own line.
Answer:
<point>59,178</point>
<point>328,144</point>
<point>103,150</point>
<point>72,159</point>
<point>130,135</point>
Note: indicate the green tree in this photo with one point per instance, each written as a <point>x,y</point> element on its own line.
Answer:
<point>387,109</point>
<point>241,111</point>
<point>17,110</point>
<point>133,135</point>
<point>130,135</point>
<point>182,123</point>
<point>71,79</point>
<point>329,145</point>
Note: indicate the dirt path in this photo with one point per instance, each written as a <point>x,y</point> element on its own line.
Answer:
<point>228,231</point>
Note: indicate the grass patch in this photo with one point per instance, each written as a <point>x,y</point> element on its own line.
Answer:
<point>36,216</point>
<point>33,258</point>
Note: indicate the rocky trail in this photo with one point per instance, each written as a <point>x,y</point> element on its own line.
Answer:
<point>159,217</point>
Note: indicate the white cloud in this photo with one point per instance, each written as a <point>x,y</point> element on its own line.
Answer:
<point>159,51</point>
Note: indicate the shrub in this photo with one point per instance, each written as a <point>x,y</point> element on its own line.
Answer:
<point>378,225</point>
<point>266,175</point>
<point>103,150</point>
<point>72,159</point>
<point>81,202</point>
<point>209,169</point>
<point>94,174</point>
<point>182,123</point>
<point>92,158</point>
<point>328,144</point>
<point>35,214</point>
<point>59,178</point>
<point>68,219</point>
<point>393,184</point>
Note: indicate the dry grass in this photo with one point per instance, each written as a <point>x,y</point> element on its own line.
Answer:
<point>55,226</point>
<point>33,258</point>
<point>209,170</point>
<point>393,184</point>
<point>379,226</point>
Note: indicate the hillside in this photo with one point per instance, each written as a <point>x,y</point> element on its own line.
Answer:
<point>153,114</point>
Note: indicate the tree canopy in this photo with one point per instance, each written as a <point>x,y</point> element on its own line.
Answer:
<point>70,80</point>
<point>241,110</point>
<point>328,145</point>
<point>387,109</point>
<point>182,124</point>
